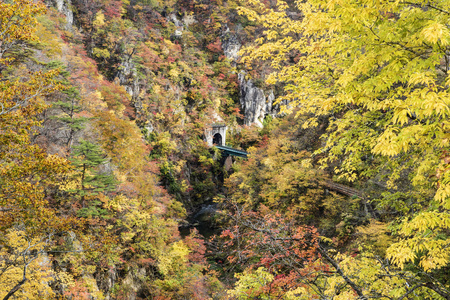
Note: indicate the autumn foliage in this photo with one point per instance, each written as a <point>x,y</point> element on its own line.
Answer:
<point>104,168</point>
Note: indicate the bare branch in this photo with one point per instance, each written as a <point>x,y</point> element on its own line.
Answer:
<point>341,273</point>
<point>411,290</point>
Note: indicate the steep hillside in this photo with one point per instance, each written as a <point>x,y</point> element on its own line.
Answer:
<point>106,177</point>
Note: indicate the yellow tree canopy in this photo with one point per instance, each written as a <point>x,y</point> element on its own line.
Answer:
<point>379,70</point>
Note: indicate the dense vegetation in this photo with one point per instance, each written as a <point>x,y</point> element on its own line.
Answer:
<point>344,195</point>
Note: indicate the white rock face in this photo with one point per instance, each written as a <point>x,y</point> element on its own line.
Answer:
<point>253,102</point>
<point>64,7</point>
<point>256,105</point>
<point>230,45</point>
<point>178,24</point>
<point>133,281</point>
<point>181,25</point>
<point>127,77</point>
<point>189,20</point>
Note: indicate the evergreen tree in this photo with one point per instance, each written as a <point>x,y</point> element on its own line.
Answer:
<point>87,158</point>
<point>70,108</point>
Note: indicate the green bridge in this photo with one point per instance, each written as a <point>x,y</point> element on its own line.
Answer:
<point>227,151</point>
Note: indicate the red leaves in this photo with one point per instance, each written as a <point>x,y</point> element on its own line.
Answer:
<point>268,239</point>
<point>227,233</point>
<point>215,47</point>
<point>197,246</point>
<point>113,10</point>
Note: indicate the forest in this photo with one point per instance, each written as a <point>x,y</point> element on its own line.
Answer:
<point>110,190</point>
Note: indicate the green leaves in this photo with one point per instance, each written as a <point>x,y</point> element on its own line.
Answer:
<point>86,158</point>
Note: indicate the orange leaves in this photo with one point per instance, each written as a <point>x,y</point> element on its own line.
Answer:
<point>116,98</point>
<point>215,47</point>
<point>227,234</point>
<point>23,94</point>
<point>287,251</point>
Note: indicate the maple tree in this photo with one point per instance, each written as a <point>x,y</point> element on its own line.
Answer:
<point>286,250</point>
<point>276,258</point>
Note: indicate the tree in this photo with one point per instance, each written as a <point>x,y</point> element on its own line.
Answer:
<point>69,117</point>
<point>67,105</point>
<point>286,250</point>
<point>379,70</point>
<point>280,175</point>
<point>17,27</point>
<point>24,266</point>
<point>282,260</point>
<point>28,223</point>
<point>87,158</point>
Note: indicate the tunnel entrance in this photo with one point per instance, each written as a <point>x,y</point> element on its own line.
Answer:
<point>216,134</point>
<point>217,139</point>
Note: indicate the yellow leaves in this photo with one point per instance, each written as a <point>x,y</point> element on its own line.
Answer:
<point>423,241</point>
<point>425,167</point>
<point>432,253</point>
<point>101,53</point>
<point>306,163</point>
<point>250,14</point>
<point>436,32</point>
<point>369,274</point>
<point>427,78</point>
<point>443,194</point>
<point>401,115</point>
<point>99,19</point>
<point>65,279</point>
<point>386,143</point>
<point>176,256</point>
<point>299,293</point>
<point>271,34</point>
<point>430,263</point>
<point>379,68</point>
<point>345,79</point>
<point>50,42</point>
<point>205,160</point>
<point>96,98</point>
<point>71,183</point>
<point>23,96</point>
<point>376,236</point>
<point>156,88</point>
<point>436,104</point>
<point>18,251</point>
<point>250,284</point>
<point>334,284</point>
<point>17,23</point>
<point>118,203</point>
<point>425,221</point>
<point>174,74</point>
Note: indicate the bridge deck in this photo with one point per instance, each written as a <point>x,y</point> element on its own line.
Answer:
<point>231,151</point>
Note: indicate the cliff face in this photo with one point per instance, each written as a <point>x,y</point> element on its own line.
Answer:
<point>64,7</point>
<point>254,102</point>
<point>230,44</point>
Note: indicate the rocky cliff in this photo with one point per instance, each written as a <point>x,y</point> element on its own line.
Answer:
<point>255,103</point>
